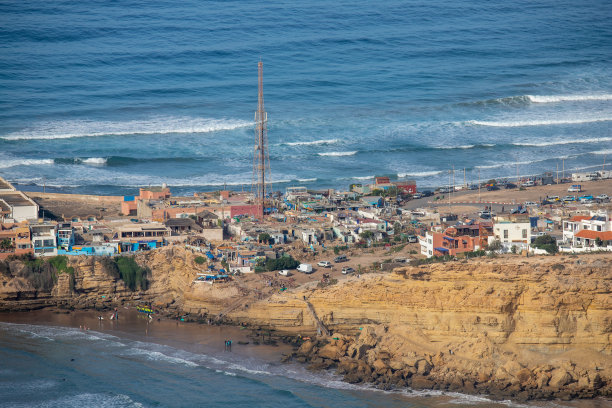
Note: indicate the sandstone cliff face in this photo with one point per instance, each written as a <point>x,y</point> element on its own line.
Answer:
<point>515,327</point>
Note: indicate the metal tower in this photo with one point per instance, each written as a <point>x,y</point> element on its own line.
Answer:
<point>261,159</point>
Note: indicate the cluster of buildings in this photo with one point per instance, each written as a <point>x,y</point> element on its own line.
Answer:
<point>229,225</point>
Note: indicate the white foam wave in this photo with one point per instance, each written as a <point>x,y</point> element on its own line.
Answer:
<point>362,177</point>
<point>158,125</point>
<point>456,147</point>
<point>508,164</point>
<point>419,174</point>
<point>307,180</point>
<point>7,163</point>
<point>158,356</point>
<point>568,98</point>
<point>95,160</point>
<point>338,153</point>
<point>564,142</point>
<point>603,152</point>
<point>523,123</point>
<point>313,142</point>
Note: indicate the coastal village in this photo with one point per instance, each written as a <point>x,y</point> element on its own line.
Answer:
<point>227,226</point>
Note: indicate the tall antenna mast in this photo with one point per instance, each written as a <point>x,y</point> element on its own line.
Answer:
<point>261,159</point>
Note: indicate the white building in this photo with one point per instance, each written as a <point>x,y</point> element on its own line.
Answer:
<point>512,233</point>
<point>44,239</point>
<point>14,205</point>
<point>595,221</point>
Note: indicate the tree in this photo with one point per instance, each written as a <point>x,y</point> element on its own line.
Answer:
<point>264,237</point>
<point>367,235</point>
<point>547,243</point>
<point>598,242</point>
<point>495,246</point>
<point>6,244</point>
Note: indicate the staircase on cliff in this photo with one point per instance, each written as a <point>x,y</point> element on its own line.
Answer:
<point>319,323</point>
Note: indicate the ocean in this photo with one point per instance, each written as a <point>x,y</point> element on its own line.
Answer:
<point>104,97</point>
<point>132,363</point>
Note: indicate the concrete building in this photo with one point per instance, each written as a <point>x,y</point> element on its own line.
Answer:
<point>65,236</point>
<point>44,239</point>
<point>595,221</point>
<point>18,238</point>
<point>15,206</point>
<point>512,232</point>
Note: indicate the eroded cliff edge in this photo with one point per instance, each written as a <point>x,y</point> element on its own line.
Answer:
<point>522,328</point>
<point>518,327</point>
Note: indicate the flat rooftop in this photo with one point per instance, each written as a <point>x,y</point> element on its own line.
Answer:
<point>5,185</point>
<point>15,199</point>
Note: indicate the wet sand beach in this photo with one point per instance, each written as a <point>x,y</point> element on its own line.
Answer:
<point>192,337</point>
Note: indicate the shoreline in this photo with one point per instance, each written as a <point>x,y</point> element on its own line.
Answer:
<point>185,335</point>
<point>175,334</point>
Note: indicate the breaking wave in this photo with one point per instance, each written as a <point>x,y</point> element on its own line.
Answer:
<point>419,174</point>
<point>313,142</point>
<point>338,153</point>
<point>160,125</point>
<point>563,142</point>
<point>568,98</point>
<point>524,123</point>
<point>4,164</point>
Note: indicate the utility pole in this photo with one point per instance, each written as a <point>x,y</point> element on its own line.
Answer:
<point>479,185</point>
<point>557,172</point>
<point>261,159</point>
<point>563,171</point>
<point>464,179</point>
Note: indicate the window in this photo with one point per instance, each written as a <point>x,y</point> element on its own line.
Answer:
<point>599,228</point>
<point>506,234</point>
<point>524,233</point>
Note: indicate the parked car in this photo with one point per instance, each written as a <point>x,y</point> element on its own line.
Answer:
<point>576,188</point>
<point>340,258</point>
<point>417,195</point>
<point>412,239</point>
<point>325,264</point>
<point>285,272</point>
<point>486,214</point>
<point>473,187</point>
<point>305,268</point>
<point>585,198</point>
<point>427,193</point>
<point>569,198</point>
<point>509,186</point>
<point>530,204</point>
<point>528,183</point>
<point>492,188</point>
<point>602,197</point>
<point>347,270</point>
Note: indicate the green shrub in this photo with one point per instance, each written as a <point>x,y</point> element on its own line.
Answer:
<point>199,260</point>
<point>60,263</point>
<point>284,262</point>
<point>132,274</point>
<point>547,243</point>
<point>126,269</point>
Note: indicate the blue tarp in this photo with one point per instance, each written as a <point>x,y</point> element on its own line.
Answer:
<point>533,221</point>
<point>210,255</point>
<point>441,249</point>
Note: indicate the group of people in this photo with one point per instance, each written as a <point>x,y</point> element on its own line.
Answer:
<point>228,345</point>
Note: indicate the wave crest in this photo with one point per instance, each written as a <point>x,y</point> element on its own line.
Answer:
<point>523,123</point>
<point>354,152</point>
<point>568,98</point>
<point>313,142</point>
<point>160,125</point>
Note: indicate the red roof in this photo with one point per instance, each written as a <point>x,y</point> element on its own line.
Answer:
<point>603,235</point>
<point>577,218</point>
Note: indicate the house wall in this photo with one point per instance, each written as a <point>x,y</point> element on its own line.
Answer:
<point>514,231</point>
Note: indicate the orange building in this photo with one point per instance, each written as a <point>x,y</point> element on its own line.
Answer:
<point>129,205</point>
<point>15,239</point>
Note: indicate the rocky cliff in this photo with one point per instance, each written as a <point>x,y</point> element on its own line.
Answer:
<point>526,328</point>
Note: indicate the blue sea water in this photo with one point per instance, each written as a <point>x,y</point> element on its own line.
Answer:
<point>106,96</point>
<point>54,366</point>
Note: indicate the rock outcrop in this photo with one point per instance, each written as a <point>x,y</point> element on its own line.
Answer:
<point>533,328</point>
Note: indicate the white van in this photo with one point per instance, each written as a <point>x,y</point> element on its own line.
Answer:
<point>305,268</point>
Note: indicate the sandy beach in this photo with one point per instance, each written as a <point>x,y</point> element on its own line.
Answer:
<point>192,337</point>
